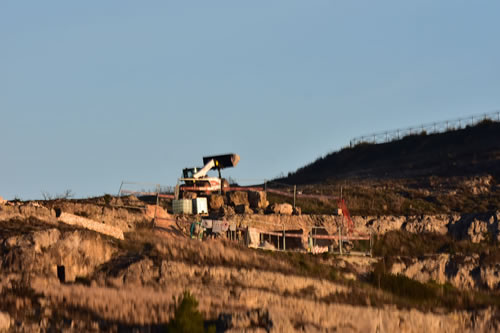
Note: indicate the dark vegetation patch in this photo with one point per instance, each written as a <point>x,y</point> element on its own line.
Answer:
<point>409,293</point>
<point>472,150</point>
<point>187,318</point>
<point>20,301</point>
<point>17,226</point>
<point>423,174</point>
<point>409,196</point>
<point>402,243</point>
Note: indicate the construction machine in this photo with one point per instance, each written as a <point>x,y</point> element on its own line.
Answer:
<point>195,180</point>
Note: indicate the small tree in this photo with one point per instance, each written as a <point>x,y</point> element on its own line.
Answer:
<point>187,318</point>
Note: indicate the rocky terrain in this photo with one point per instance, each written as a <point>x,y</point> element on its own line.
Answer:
<point>457,171</point>
<point>101,265</point>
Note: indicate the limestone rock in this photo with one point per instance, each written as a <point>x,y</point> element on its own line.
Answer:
<point>215,201</point>
<point>433,268</point>
<point>4,321</point>
<point>476,227</point>
<point>140,272</point>
<point>237,198</point>
<point>461,271</point>
<point>91,225</point>
<point>477,231</point>
<point>282,209</point>
<point>381,224</point>
<point>226,211</point>
<point>427,223</point>
<point>45,238</point>
<point>257,199</point>
<point>464,273</point>
<point>490,276</point>
<point>243,209</point>
<point>153,211</point>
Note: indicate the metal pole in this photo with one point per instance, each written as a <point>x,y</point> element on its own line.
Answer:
<point>120,190</point>
<point>284,236</point>
<point>294,195</point>
<point>340,240</point>
<point>157,203</point>
<point>371,243</point>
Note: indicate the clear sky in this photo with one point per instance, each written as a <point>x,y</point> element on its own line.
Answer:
<point>96,92</point>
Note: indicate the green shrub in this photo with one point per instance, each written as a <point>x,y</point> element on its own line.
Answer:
<point>187,318</point>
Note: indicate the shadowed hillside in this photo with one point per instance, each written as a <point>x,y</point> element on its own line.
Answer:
<point>470,151</point>
<point>456,171</point>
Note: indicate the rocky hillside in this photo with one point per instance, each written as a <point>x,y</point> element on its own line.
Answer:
<point>57,276</point>
<point>457,171</point>
<point>464,152</point>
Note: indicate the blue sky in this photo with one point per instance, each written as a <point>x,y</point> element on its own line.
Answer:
<point>96,92</point>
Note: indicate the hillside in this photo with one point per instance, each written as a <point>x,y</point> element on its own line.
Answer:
<point>455,171</point>
<point>470,151</point>
<point>427,273</point>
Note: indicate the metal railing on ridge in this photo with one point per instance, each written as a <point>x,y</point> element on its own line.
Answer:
<point>428,128</point>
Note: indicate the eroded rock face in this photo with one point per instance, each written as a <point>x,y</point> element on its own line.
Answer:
<point>476,227</point>
<point>243,209</point>
<point>490,276</point>
<point>258,199</point>
<point>423,270</point>
<point>382,224</point>
<point>237,198</point>
<point>78,253</point>
<point>226,211</point>
<point>428,223</point>
<point>140,272</point>
<point>4,321</point>
<point>282,209</point>
<point>463,272</point>
<point>215,202</point>
<point>480,184</point>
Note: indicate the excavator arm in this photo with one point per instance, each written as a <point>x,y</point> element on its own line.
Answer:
<point>203,171</point>
<point>219,162</point>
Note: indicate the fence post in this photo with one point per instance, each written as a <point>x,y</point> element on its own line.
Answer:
<point>294,195</point>
<point>340,240</point>
<point>284,236</point>
<point>157,203</point>
<point>371,243</point>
